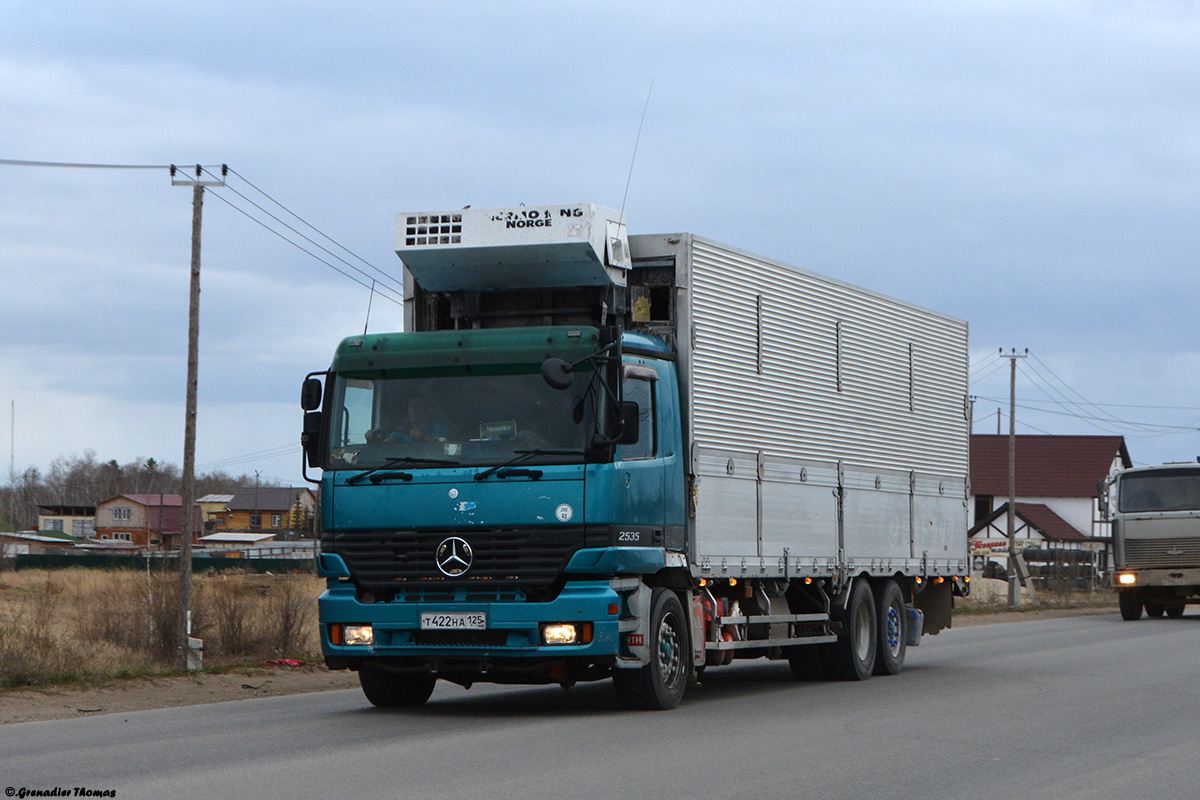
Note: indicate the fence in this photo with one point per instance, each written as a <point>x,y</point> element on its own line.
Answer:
<point>164,563</point>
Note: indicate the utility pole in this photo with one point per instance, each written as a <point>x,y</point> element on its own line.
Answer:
<point>188,489</point>
<point>12,471</point>
<point>1014,590</point>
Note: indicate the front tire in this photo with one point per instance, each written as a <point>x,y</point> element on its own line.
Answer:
<point>389,690</point>
<point>1155,609</point>
<point>1131,606</point>
<point>852,656</point>
<point>891,618</point>
<point>659,685</point>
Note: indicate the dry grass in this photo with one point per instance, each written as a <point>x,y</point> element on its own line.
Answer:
<point>81,624</point>
<point>990,596</point>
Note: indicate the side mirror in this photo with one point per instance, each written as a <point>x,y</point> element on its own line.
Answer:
<point>310,394</point>
<point>310,438</point>
<point>557,373</point>
<point>629,422</point>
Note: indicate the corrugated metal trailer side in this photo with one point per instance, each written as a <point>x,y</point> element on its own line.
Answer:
<point>827,424</point>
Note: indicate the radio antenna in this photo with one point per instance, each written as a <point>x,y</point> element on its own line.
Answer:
<point>635,148</point>
<point>369,300</point>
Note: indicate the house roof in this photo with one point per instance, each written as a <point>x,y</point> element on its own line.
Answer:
<point>151,500</point>
<point>237,538</point>
<point>97,544</point>
<point>1047,466</point>
<point>67,511</point>
<point>1037,516</point>
<point>45,537</point>
<point>215,498</point>
<point>265,498</point>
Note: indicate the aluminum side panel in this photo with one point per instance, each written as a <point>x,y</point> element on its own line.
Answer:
<point>799,510</point>
<point>797,365</point>
<point>877,515</point>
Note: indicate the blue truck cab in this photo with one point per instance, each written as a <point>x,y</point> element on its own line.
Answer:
<point>482,524</point>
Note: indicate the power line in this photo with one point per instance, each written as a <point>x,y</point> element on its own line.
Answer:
<point>995,368</point>
<point>1068,387</point>
<point>324,249</point>
<point>318,231</point>
<point>1026,405</point>
<point>303,250</point>
<point>396,295</point>
<point>13,162</point>
<point>991,360</point>
<point>261,455</point>
<point>1035,378</point>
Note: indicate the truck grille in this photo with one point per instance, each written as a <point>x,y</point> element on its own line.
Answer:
<point>1162,553</point>
<point>389,561</point>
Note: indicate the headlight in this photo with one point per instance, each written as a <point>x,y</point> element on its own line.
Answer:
<point>358,635</point>
<point>1127,579</point>
<point>566,633</point>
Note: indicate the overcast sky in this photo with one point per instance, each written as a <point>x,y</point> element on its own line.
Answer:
<point>1031,167</point>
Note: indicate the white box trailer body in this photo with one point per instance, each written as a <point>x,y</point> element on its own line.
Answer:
<point>794,385</point>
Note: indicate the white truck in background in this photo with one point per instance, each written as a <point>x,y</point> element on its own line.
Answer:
<point>1156,539</point>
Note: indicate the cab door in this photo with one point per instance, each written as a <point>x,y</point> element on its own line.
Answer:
<point>640,471</point>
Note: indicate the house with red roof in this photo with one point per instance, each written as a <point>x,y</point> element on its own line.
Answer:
<point>1060,488</point>
<point>153,521</point>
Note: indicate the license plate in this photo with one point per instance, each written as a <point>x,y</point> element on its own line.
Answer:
<point>453,621</point>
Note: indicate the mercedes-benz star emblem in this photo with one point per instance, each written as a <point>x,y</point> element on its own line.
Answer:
<point>453,557</point>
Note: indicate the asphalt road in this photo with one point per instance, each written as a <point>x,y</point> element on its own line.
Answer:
<point>1089,707</point>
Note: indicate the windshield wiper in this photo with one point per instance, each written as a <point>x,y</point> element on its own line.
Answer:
<point>524,455</point>
<point>398,462</point>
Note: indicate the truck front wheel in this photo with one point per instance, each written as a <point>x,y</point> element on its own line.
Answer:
<point>659,685</point>
<point>1131,605</point>
<point>389,690</point>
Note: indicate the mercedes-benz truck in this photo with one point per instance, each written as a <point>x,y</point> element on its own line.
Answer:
<point>592,455</point>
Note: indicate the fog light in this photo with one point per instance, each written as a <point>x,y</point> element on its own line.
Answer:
<point>358,635</point>
<point>1127,579</point>
<point>556,633</point>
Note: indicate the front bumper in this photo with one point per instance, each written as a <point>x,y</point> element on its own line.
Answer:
<point>513,628</point>
<point>1187,578</point>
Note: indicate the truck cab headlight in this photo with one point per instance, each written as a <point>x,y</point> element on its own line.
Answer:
<point>566,633</point>
<point>1127,579</point>
<point>354,635</point>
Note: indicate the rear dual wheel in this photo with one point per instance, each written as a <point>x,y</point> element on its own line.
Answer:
<point>892,619</point>
<point>874,638</point>
<point>852,656</point>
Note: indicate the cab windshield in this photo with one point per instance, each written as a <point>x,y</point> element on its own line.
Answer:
<point>466,419</point>
<point>1161,490</point>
